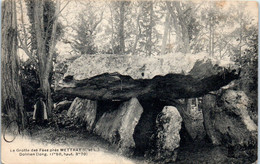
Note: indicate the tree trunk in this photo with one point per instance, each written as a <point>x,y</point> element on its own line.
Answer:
<point>46,89</point>
<point>138,28</point>
<point>45,59</point>
<point>121,28</point>
<point>180,25</point>
<point>41,51</point>
<point>112,32</point>
<point>210,36</point>
<point>165,34</point>
<point>240,35</point>
<point>183,19</point>
<point>12,99</point>
<point>213,42</point>
<point>211,32</point>
<point>149,41</point>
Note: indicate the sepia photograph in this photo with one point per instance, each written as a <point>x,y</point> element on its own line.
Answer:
<point>129,82</point>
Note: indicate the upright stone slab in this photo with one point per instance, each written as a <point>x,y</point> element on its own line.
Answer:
<point>228,117</point>
<point>83,111</point>
<point>118,126</point>
<point>209,109</point>
<point>193,120</point>
<point>168,125</point>
<point>228,124</point>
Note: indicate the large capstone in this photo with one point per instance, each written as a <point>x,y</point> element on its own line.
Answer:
<point>83,112</point>
<point>168,125</point>
<point>118,126</point>
<point>136,66</point>
<point>121,77</point>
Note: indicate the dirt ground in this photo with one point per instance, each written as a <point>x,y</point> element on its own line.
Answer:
<point>200,152</point>
<point>188,152</point>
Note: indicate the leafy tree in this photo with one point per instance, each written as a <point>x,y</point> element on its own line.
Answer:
<point>137,28</point>
<point>48,16</point>
<point>185,23</point>
<point>86,29</point>
<point>248,61</point>
<point>45,30</point>
<point>120,10</point>
<point>148,33</point>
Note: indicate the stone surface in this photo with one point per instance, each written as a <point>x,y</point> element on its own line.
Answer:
<point>171,86</point>
<point>63,105</point>
<point>145,130</point>
<point>110,77</point>
<point>227,121</point>
<point>83,112</point>
<point>136,66</point>
<point>168,125</point>
<point>193,120</point>
<point>118,125</point>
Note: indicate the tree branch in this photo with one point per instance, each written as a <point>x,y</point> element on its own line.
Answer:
<point>25,48</point>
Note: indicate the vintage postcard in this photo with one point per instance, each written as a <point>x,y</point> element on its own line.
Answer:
<point>112,82</point>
